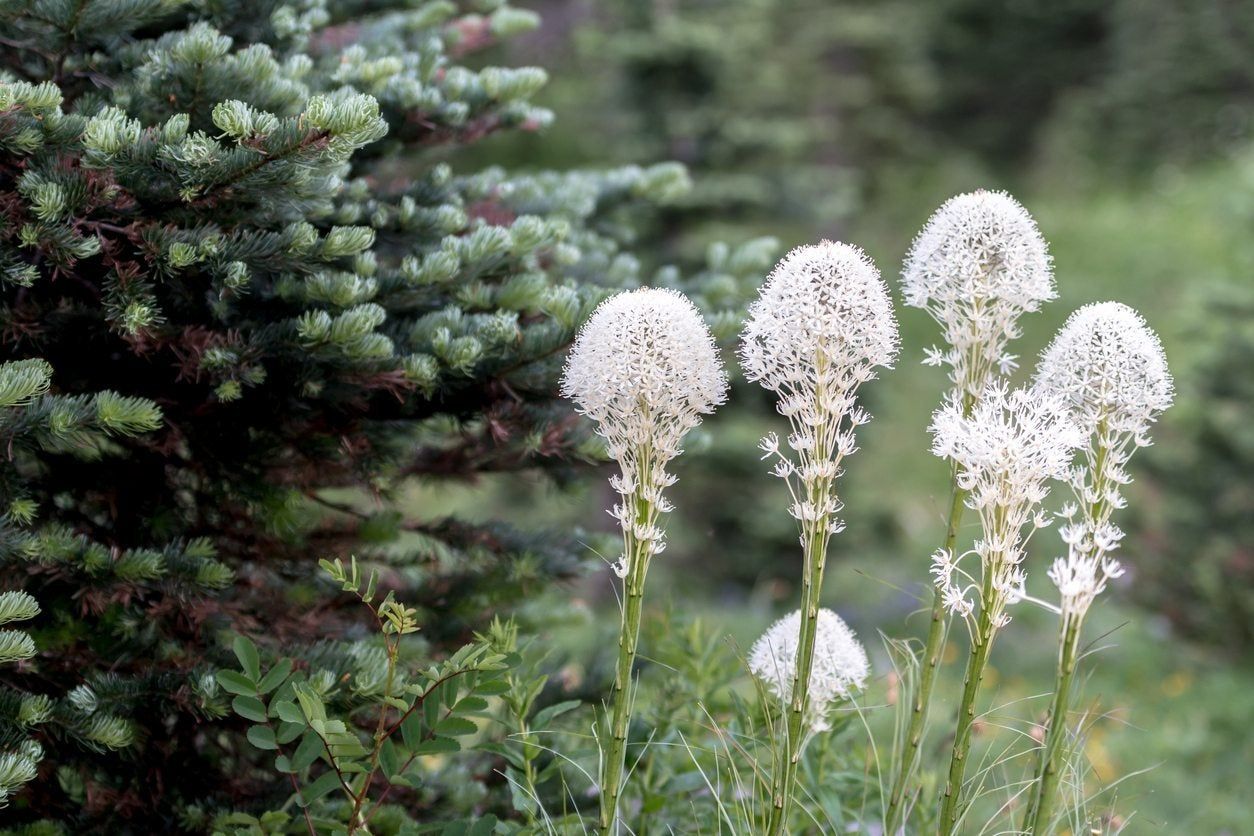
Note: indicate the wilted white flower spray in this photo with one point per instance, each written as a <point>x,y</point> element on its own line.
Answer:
<point>821,327</point>
<point>840,664</point>
<point>1108,367</point>
<point>978,265</point>
<point>645,369</point>
<point>1007,449</point>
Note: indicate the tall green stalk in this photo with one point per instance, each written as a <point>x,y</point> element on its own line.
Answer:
<point>637,553</point>
<point>932,650</point>
<point>786,773</point>
<point>982,641</point>
<point>1045,787</point>
<point>816,533</point>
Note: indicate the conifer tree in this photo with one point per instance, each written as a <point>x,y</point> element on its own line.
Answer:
<point>40,428</point>
<point>239,234</point>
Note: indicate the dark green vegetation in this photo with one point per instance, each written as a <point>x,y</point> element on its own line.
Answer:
<point>331,325</point>
<point>234,239</point>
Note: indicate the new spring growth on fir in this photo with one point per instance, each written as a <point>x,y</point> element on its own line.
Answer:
<point>1108,368</point>
<point>822,325</point>
<point>1006,449</point>
<point>645,369</point>
<point>977,265</point>
<point>840,663</point>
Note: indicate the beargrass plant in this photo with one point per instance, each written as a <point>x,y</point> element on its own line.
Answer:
<point>821,327</point>
<point>1008,449</point>
<point>1108,367</point>
<point>978,264</point>
<point>645,369</point>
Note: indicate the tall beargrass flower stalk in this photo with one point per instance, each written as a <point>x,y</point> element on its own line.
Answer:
<point>1007,449</point>
<point>1108,367</point>
<point>977,265</point>
<point>821,326</point>
<point>645,369</point>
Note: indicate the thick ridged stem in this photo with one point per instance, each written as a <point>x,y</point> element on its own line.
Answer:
<point>933,649</point>
<point>982,640</point>
<point>637,552</point>
<point>786,773</point>
<point>1045,788</point>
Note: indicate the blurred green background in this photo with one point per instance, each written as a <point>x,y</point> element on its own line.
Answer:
<point>1127,129</point>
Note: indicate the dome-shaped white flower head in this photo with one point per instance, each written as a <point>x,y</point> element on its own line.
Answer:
<point>821,326</point>
<point>840,663</point>
<point>977,265</point>
<point>822,316</point>
<point>645,368</point>
<point>1108,366</point>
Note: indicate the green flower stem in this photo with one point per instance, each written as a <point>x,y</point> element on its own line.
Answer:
<point>819,492</point>
<point>932,651</point>
<point>786,773</point>
<point>982,641</point>
<point>1045,788</point>
<point>637,553</point>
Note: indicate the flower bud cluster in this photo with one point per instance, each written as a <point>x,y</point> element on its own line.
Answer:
<point>840,663</point>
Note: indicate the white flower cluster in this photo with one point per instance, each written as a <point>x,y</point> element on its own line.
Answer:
<point>840,663</point>
<point>977,265</point>
<point>1109,369</point>
<point>1081,576</point>
<point>821,326</point>
<point>645,368</point>
<point>1007,448</point>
